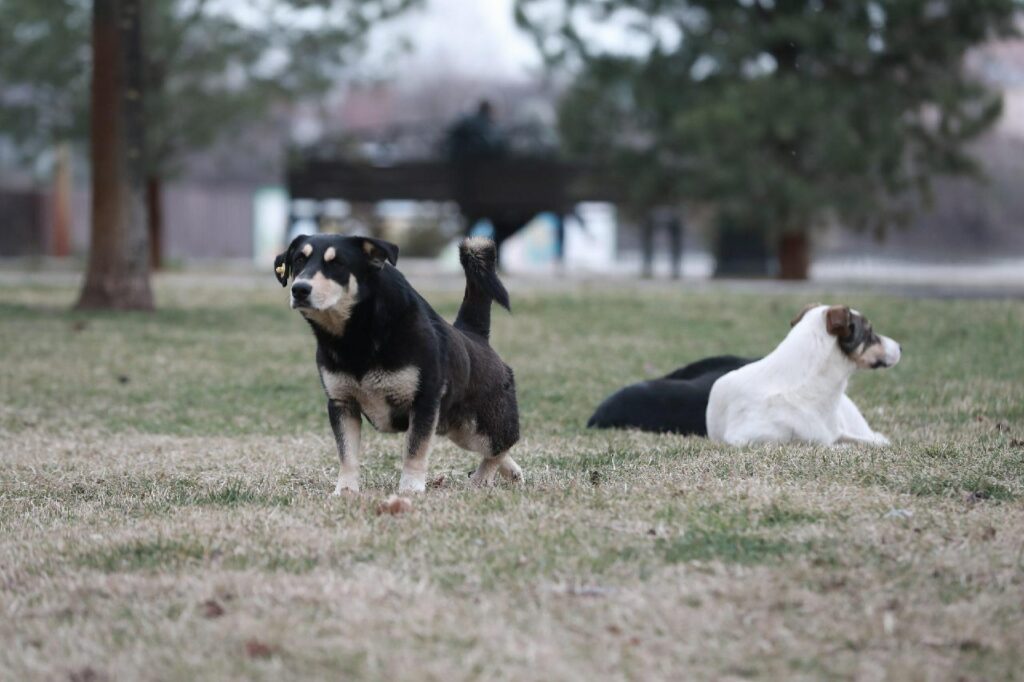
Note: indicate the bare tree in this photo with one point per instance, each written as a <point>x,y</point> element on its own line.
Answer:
<point>118,271</point>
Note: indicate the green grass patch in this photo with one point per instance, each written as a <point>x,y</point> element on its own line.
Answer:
<point>157,554</point>
<point>722,544</point>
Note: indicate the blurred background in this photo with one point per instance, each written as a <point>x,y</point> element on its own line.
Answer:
<point>839,140</point>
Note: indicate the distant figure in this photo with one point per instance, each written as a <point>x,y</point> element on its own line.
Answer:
<point>470,142</point>
<point>475,136</point>
<point>667,219</point>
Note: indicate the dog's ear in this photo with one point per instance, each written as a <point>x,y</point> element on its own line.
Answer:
<point>283,261</point>
<point>379,252</point>
<point>800,315</point>
<point>837,321</point>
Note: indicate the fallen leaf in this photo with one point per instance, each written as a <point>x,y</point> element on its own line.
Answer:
<point>212,609</point>
<point>438,482</point>
<point>87,674</point>
<point>254,648</point>
<point>973,496</point>
<point>970,645</point>
<point>394,506</point>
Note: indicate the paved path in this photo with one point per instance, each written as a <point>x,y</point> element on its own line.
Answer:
<point>998,279</point>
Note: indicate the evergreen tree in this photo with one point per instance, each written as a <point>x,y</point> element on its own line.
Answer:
<point>784,113</point>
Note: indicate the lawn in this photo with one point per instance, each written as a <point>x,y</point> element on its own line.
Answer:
<point>165,509</point>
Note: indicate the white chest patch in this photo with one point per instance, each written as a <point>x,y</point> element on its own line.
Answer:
<point>379,393</point>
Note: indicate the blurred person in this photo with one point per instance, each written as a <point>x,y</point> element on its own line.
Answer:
<point>667,219</point>
<point>475,136</point>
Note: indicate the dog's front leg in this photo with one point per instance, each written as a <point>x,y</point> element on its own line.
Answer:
<point>422,423</point>
<point>861,439</point>
<point>853,427</point>
<point>346,423</point>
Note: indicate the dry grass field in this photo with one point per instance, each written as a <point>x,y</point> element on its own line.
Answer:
<point>165,510</point>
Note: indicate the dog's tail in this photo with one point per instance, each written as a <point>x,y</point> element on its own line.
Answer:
<point>479,258</point>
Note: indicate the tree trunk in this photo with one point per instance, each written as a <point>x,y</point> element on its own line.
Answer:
<point>60,242</point>
<point>155,220</point>
<point>794,255</point>
<point>118,270</point>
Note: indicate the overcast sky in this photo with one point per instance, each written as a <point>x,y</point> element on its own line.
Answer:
<point>470,37</point>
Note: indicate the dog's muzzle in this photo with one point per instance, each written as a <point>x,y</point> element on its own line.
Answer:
<point>893,352</point>
<point>300,294</point>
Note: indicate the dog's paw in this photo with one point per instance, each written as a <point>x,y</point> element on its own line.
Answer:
<point>510,471</point>
<point>412,482</point>
<point>346,486</point>
<point>481,479</point>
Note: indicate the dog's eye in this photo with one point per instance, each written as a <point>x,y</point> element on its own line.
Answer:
<point>299,260</point>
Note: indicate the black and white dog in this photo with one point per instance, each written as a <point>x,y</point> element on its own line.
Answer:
<point>383,352</point>
<point>797,392</point>
<point>675,403</point>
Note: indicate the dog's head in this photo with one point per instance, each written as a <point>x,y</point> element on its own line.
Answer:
<point>854,335</point>
<point>330,273</point>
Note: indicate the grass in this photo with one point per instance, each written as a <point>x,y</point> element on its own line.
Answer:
<point>164,508</point>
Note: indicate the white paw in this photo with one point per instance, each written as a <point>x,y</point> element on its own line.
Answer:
<point>346,484</point>
<point>481,479</point>
<point>510,471</point>
<point>412,482</point>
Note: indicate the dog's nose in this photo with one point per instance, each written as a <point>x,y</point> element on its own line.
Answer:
<point>301,290</point>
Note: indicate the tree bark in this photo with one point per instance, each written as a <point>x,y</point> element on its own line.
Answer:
<point>794,255</point>
<point>60,242</point>
<point>155,220</point>
<point>118,271</point>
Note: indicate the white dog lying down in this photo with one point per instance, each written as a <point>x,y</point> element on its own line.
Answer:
<point>798,391</point>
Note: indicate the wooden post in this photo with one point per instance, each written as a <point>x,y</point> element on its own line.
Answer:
<point>794,256</point>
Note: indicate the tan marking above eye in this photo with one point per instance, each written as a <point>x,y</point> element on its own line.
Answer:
<point>307,250</point>
<point>329,254</point>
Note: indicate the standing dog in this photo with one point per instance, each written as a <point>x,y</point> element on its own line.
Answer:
<point>798,391</point>
<point>384,353</point>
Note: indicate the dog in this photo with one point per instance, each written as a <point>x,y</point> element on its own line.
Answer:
<point>383,353</point>
<point>798,391</point>
<point>675,403</point>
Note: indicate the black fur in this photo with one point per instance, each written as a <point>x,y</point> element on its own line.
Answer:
<point>482,286</point>
<point>859,335</point>
<point>675,403</point>
<point>463,383</point>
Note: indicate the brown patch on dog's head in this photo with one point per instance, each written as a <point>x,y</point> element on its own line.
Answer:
<point>804,311</point>
<point>838,321</point>
<point>857,338</point>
